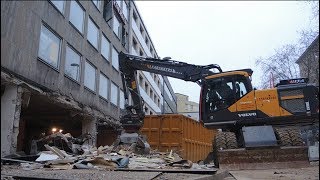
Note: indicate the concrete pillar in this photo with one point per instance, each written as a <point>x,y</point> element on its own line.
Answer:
<point>89,126</point>
<point>10,117</point>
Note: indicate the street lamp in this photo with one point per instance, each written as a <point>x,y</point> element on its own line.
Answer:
<point>76,65</point>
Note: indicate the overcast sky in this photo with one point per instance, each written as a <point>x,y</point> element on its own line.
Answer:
<point>231,34</point>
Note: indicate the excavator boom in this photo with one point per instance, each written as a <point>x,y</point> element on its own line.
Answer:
<point>129,64</point>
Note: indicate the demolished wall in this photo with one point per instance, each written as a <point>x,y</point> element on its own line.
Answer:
<point>16,94</point>
<point>10,115</point>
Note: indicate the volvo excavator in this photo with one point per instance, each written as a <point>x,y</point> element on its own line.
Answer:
<point>257,128</point>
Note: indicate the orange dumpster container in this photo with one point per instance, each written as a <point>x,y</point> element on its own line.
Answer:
<point>177,132</point>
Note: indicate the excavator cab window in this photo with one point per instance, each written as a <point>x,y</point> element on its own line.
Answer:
<point>241,87</point>
<point>219,94</point>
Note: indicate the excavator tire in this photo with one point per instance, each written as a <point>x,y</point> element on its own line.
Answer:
<point>225,140</point>
<point>289,137</point>
<point>222,141</point>
<point>296,137</point>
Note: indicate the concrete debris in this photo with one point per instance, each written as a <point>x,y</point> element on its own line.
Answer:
<point>31,166</point>
<point>114,157</point>
<point>169,158</point>
<point>65,141</point>
<point>45,156</point>
<point>182,163</point>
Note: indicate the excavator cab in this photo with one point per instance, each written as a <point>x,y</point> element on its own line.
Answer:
<point>219,94</point>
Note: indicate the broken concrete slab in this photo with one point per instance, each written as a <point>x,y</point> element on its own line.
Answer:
<point>45,156</point>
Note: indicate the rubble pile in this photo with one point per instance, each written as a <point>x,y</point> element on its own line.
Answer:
<point>113,157</point>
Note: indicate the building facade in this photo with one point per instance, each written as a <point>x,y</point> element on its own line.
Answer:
<point>186,107</point>
<point>151,85</point>
<point>59,68</point>
<point>309,62</point>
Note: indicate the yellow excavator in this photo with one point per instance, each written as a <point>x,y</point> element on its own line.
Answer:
<point>257,128</point>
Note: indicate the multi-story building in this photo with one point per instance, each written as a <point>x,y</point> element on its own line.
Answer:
<point>59,68</point>
<point>186,107</point>
<point>155,89</point>
<point>309,62</point>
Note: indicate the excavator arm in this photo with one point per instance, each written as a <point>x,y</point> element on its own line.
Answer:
<point>132,120</point>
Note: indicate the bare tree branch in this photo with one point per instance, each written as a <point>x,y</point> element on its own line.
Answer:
<point>282,64</point>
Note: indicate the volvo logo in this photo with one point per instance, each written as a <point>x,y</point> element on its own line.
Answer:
<point>247,114</point>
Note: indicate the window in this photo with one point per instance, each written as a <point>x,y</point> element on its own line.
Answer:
<point>151,50</point>
<point>186,107</point>
<point>72,66</point>
<point>240,86</point>
<point>77,15</point>
<point>146,87</point>
<point>93,33</point>
<point>134,43</point>
<point>114,94</point>
<point>105,47</point>
<point>121,99</point>
<point>115,60</point>
<point>141,30</point>
<point>155,98</point>
<point>103,87</point>
<point>59,5</point>
<point>135,17</point>
<point>90,76</point>
<point>124,36</point>
<point>97,3</point>
<point>141,80</point>
<point>219,94</point>
<point>166,89</point>
<point>151,94</point>
<point>119,3</point>
<point>49,47</point>
<point>147,41</point>
<point>125,10</point>
<point>141,53</point>
<point>116,26</point>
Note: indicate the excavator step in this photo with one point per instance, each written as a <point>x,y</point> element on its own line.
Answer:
<point>266,158</point>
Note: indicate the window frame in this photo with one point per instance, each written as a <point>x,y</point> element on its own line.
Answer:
<point>43,24</point>
<point>97,6</point>
<point>106,58</point>
<point>118,34</point>
<point>62,12</point>
<point>108,82</point>
<point>121,95</point>
<point>112,95</point>
<point>98,34</point>
<point>112,58</point>
<point>80,65</point>
<point>124,4</point>
<point>84,17</point>
<point>95,76</point>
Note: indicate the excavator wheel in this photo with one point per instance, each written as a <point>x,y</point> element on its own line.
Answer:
<point>223,140</point>
<point>289,137</point>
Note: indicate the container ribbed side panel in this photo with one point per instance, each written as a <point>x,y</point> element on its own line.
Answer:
<point>179,133</point>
